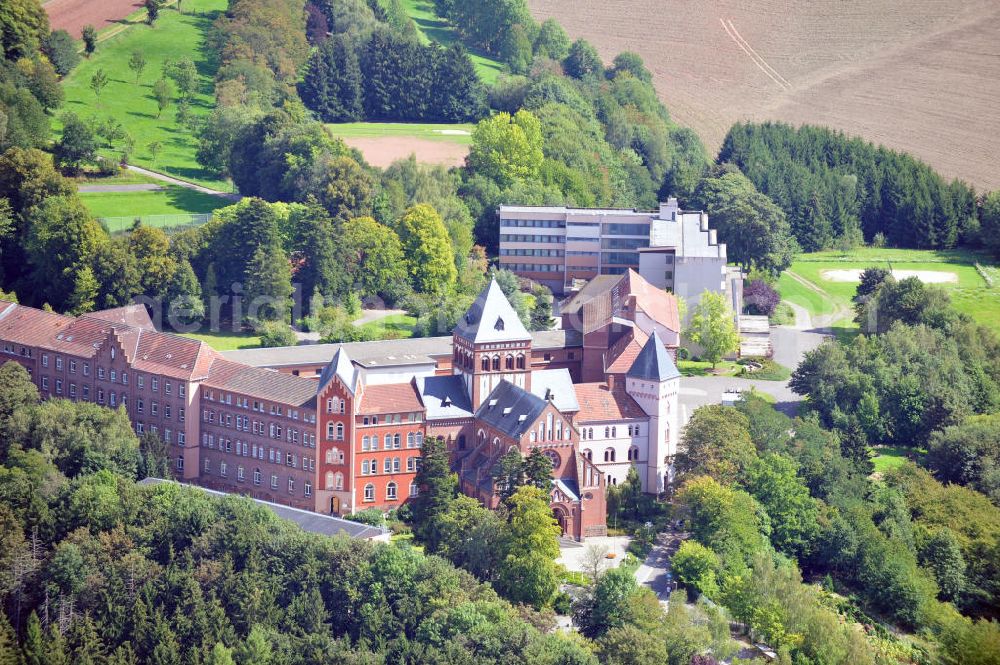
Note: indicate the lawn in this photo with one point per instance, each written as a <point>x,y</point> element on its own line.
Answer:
<point>704,368</point>
<point>395,326</point>
<point>177,202</point>
<point>890,457</point>
<point>226,340</point>
<point>432,27</point>
<point>175,35</point>
<point>460,133</point>
<point>970,293</point>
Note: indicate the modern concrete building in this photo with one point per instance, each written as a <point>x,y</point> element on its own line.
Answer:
<point>671,248</point>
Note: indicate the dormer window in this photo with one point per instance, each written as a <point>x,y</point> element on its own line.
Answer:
<point>499,324</point>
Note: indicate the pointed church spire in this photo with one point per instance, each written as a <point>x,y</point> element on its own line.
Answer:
<point>654,362</point>
<point>341,367</point>
<point>491,318</point>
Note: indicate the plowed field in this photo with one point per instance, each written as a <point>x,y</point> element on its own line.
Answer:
<point>916,75</point>
<point>72,15</point>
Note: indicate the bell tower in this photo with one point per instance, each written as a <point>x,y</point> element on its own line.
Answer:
<point>653,381</point>
<point>491,344</point>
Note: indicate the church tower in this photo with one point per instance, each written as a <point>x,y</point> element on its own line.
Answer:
<point>653,381</point>
<point>491,344</point>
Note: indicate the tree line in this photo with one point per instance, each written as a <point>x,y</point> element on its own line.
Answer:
<point>838,190</point>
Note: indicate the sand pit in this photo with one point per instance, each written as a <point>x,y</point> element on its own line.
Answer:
<point>383,151</point>
<point>925,276</point>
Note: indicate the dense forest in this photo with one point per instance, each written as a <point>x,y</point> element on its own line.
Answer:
<point>836,189</point>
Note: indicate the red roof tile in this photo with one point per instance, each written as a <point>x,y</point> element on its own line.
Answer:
<point>262,383</point>
<point>390,398</point>
<point>656,303</point>
<point>624,352</point>
<point>136,316</point>
<point>599,404</point>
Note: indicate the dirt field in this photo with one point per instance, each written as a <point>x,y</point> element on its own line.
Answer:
<point>72,15</point>
<point>383,151</point>
<point>915,75</point>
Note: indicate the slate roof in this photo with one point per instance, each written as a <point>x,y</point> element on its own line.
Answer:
<point>326,525</point>
<point>340,366</point>
<point>599,404</point>
<point>444,397</point>
<point>558,384</point>
<point>491,318</point>
<point>262,383</point>
<point>511,409</point>
<point>654,362</point>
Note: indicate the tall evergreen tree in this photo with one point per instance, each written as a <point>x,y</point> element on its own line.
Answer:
<point>332,83</point>
<point>437,486</point>
<point>268,285</point>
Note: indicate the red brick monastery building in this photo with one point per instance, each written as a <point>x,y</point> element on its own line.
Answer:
<point>345,434</point>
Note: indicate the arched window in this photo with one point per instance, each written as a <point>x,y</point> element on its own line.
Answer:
<point>329,456</point>
<point>329,406</point>
<point>414,490</point>
<point>482,438</point>
<point>387,440</point>
<point>338,481</point>
<point>485,364</point>
<point>520,361</point>
<point>496,363</point>
<point>395,465</point>
<point>553,458</point>
<point>390,491</point>
<point>369,492</point>
<point>338,456</point>
<point>329,430</point>
<point>410,438</point>
<point>365,443</point>
<point>343,406</point>
<point>329,480</point>
<point>633,454</point>
<point>461,442</point>
<point>509,362</point>
<point>496,444</point>
<point>541,431</point>
<point>397,440</point>
<point>614,432</point>
<point>589,454</point>
<point>609,455</point>
<point>607,432</point>
<point>387,465</point>
<point>365,469</point>
<point>340,431</point>
<point>420,439</point>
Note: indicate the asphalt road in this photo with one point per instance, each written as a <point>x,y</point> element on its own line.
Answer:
<point>654,572</point>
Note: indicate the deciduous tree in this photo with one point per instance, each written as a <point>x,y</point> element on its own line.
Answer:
<point>712,327</point>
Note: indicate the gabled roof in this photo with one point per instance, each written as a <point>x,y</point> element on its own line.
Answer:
<point>491,318</point>
<point>511,409</point>
<point>599,404</point>
<point>657,303</point>
<point>623,353</point>
<point>262,383</point>
<point>130,315</point>
<point>654,362</point>
<point>390,398</point>
<point>444,397</point>
<point>341,367</point>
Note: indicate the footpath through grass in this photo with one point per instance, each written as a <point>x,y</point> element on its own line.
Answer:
<point>818,293</point>
<point>432,27</point>
<point>174,36</point>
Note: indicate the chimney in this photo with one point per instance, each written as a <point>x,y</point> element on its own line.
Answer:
<point>611,382</point>
<point>669,209</point>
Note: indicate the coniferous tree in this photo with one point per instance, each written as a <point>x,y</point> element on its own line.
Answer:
<point>437,487</point>
<point>332,83</point>
<point>269,284</point>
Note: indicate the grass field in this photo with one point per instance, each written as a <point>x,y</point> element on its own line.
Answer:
<point>889,458</point>
<point>433,28</point>
<point>970,293</point>
<point>460,133</point>
<point>396,326</point>
<point>171,200</point>
<point>175,35</point>
<point>227,340</point>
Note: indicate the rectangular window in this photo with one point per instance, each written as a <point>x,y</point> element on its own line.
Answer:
<point>114,376</point>
<point>223,469</point>
<point>45,383</point>
<point>240,476</point>
<point>72,390</point>
<point>86,392</point>
<point>139,405</point>
<point>167,435</point>
<point>180,438</point>
<point>100,397</point>
<point>100,373</point>
<point>307,489</point>
<point>86,369</point>
<point>45,360</point>
<point>180,415</point>
<point>207,466</point>
<point>138,380</point>
<point>256,476</point>
<point>154,408</point>
<point>166,387</point>
<point>274,481</point>
<point>113,401</point>
<point>182,390</point>
<point>166,410</point>
<point>59,363</point>
<point>72,366</point>
<point>291,486</point>
<point>154,383</point>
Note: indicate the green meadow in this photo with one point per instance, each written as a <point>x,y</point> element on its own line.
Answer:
<point>819,294</point>
<point>460,133</point>
<point>171,200</point>
<point>175,35</point>
<point>432,27</point>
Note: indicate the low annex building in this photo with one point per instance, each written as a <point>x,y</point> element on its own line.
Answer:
<point>339,428</point>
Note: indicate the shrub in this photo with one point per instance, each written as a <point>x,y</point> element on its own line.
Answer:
<point>370,516</point>
<point>760,298</point>
<point>276,333</point>
<point>61,50</point>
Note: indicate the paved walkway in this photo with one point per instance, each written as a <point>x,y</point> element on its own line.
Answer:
<point>654,572</point>
<point>182,183</point>
<point>139,187</point>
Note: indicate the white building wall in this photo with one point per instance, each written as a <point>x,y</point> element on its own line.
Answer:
<point>660,401</point>
<point>618,440</point>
